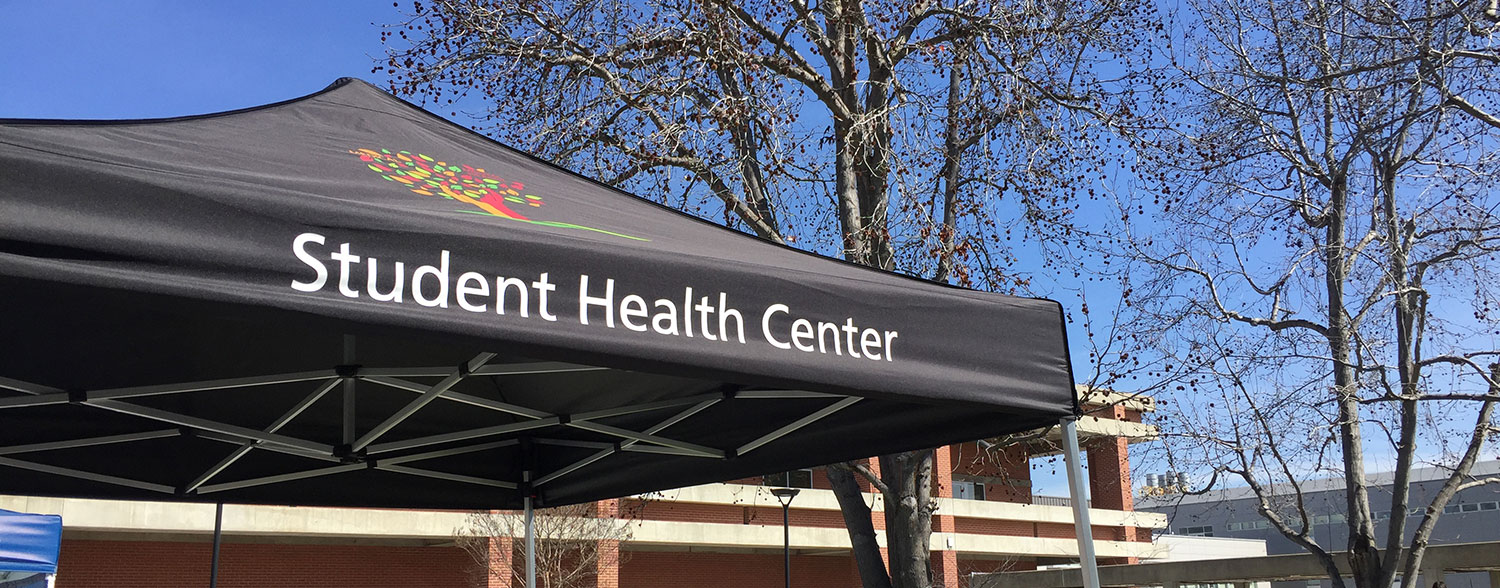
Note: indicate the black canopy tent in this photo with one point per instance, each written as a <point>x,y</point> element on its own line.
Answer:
<point>344,300</point>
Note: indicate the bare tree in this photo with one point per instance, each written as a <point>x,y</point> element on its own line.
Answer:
<point>1320,278</point>
<point>572,544</point>
<point>913,135</point>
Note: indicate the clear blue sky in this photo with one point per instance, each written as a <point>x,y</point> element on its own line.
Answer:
<point>155,58</point>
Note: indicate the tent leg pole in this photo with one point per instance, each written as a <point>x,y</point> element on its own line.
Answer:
<point>530,542</point>
<point>350,416</point>
<point>213,569</point>
<point>1076,490</point>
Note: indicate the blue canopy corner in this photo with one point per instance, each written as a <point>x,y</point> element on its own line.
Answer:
<point>29,542</point>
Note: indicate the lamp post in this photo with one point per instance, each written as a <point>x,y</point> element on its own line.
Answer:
<point>785,496</point>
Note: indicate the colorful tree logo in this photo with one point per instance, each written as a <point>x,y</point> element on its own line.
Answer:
<point>492,195</point>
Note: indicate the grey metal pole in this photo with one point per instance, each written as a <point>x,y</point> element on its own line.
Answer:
<point>1086,561</point>
<point>213,569</point>
<point>785,496</point>
<point>350,414</point>
<point>530,533</point>
<point>786,545</point>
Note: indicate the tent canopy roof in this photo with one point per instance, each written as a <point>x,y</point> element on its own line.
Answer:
<point>29,542</point>
<point>345,300</point>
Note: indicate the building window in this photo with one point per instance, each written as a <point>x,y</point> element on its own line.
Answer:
<point>1471,507</point>
<point>1205,531</point>
<point>968,490</point>
<point>1328,519</point>
<point>1250,526</point>
<point>792,479</point>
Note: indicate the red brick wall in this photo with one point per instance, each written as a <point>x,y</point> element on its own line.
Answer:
<point>695,513</point>
<point>1010,465</point>
<point>728,514</point>
<point>1065,531</point>
<point>1109,483</point>
<point>653,569</point>
<point>501,552</point>
<point>994,527</point>
<point>767,515</point>
<point>1010,462</point>
<point>945,569</point>
<point>154,564</point>
<point>1109,474</point>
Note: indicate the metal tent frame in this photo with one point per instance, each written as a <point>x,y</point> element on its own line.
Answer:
<point>363,451</point>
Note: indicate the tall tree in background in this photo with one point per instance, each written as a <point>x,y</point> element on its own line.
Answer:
<point>1328,170</point>
<point>573,543</point>
<point>912,135</point>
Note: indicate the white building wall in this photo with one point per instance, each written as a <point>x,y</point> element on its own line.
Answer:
<point>1189,548</point>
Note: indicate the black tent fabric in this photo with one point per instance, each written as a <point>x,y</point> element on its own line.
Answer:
<point>344,300</point>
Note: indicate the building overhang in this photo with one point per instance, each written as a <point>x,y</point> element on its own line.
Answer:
<point>1048,441</point>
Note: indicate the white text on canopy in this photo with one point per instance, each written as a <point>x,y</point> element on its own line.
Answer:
<point>709,317</point>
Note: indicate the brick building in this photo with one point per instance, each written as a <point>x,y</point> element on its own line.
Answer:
<point>729,534</point>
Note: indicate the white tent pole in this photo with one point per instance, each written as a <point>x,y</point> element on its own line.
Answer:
<point>1076,490</point>
<point>530,532</point>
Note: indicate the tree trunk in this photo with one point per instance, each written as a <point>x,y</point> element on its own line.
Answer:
<point>1364,557</point>
<point>1407,351</point>
<point>952,151</point>
<point>1452,485</point>
<point>867,560</point>
<point>908,520</point>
